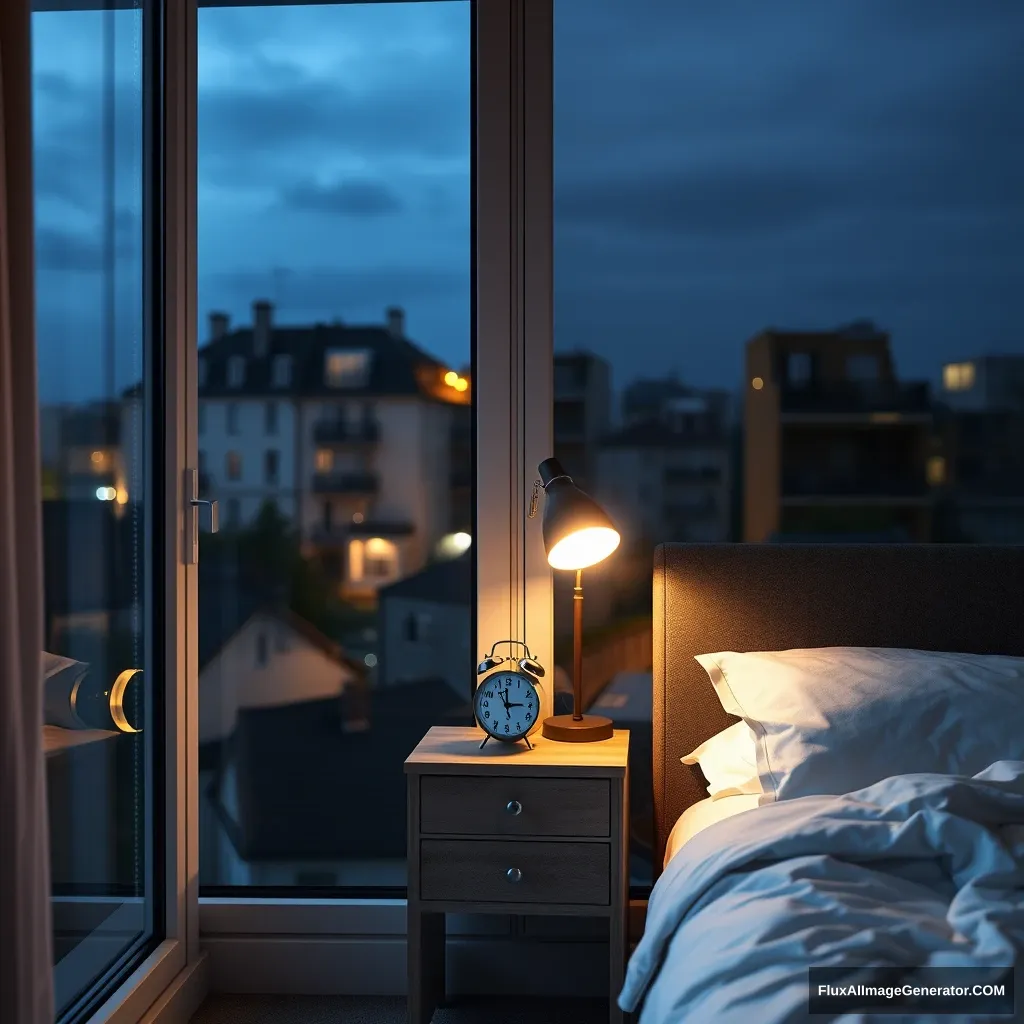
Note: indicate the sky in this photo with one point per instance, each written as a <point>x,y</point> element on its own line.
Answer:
<point>719,168</point>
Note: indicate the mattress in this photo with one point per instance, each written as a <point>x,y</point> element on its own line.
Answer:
<point>698,816</point>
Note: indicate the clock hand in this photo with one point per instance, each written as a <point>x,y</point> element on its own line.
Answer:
<point>513,704</point>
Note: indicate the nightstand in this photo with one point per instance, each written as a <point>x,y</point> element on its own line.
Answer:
<point>506,830</point>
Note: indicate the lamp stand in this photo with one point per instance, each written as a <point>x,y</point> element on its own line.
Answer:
<point>577,727</point>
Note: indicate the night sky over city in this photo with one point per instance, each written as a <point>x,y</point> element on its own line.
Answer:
<point>718,169</point>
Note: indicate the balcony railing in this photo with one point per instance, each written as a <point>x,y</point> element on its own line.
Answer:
<point>343,432</point>
<point>848,398</point>
<point>864,485</point>
<point>345,483</point>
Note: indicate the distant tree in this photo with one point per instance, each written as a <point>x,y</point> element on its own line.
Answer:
<point>266,557</point>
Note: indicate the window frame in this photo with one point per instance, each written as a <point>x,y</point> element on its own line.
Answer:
<point>512,367</point>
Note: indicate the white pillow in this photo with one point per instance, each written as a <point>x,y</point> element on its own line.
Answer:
<point>836,719</point>
<point>728,761</point>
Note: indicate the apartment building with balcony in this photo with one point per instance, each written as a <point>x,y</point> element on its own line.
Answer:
<point>982,433</point>
<point>349,430</point>
<point>835,444</point>
<point>582,412</point>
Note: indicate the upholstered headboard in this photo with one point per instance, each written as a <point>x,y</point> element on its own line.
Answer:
<point>771,597</point>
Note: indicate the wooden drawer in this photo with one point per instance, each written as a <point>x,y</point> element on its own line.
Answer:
<point>511,806</point>
<point>477,871</point>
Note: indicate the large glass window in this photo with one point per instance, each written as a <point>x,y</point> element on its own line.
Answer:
<point>787,270</point>
<point>98,373</point>
<point>334,280</point>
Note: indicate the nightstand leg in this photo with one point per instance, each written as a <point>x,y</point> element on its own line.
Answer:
<point>426,942</point>
<point>616,965</point>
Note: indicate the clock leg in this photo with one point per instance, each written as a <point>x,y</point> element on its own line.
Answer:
<point>426,942</point>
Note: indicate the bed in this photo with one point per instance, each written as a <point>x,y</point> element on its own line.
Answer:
<point>748,598</point>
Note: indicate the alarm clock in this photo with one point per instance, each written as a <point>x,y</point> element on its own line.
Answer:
<point>506,703</point>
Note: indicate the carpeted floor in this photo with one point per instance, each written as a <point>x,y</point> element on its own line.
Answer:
<point>223,1009</point>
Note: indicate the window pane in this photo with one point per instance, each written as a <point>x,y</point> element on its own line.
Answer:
<point>97,376</point>
<point>785,291</point>
<point>334,281</point>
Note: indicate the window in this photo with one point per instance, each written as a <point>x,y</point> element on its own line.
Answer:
<point>98,337</point>
<point>324,460</point>
<point>343,212</point>
<point>798,369</point>
<point>236,371</point>
<point>417,628</point>
<point>231,418</point>
<point>958,376</point>
<point>271,460</point>
<point>862,369</point>
<point>282,371</point>
<point>346,369</point>
<point>270,418</point>
<point>694,245</point>
<point>233,466</point>
<point>381,560</point>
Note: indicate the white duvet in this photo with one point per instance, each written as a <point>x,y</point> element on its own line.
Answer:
<point>917,870</point>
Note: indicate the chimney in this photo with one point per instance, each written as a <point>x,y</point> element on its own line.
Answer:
<point>218,325</point>
<point>396,321</point>
<point>262,319</point>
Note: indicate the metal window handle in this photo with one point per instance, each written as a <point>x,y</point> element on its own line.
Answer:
<point>514,875</point>
<point>214,517</point>
<point>514,807</point>
<point>190,552</point>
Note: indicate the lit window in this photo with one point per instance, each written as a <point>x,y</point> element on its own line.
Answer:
<point>282,372</point>
<point>347,369</point>
<point>935,470</point>
<point>236,371</point>
<point>958,376</point>
<point>381,558</point>
<point>233,466</point>
<point>356,568</point>
<point>324,460</point>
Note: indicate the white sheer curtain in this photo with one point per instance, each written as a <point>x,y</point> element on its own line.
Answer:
<point>26,962</point>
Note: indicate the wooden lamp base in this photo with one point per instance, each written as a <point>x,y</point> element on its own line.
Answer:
<point>587,729</point>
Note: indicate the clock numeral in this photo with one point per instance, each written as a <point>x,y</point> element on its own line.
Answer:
<point>485,703</point>
<point>487,714</point>
<point>487,693</point>
<point>506,727</point>
<point>528,716</point>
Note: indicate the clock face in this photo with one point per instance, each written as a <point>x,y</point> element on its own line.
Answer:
<point>507,705</point>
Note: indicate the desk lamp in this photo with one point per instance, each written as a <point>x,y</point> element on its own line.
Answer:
<point>577,534</point>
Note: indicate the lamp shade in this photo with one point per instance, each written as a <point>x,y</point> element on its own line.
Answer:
<point>577,531</point>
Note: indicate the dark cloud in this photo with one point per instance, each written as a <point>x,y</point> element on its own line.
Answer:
<point>722,167</point>
<point>351,197</point>
<point>293,116</point>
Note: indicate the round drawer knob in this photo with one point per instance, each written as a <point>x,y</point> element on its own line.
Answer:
<point>514,875</point>
<point>514,807</point>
